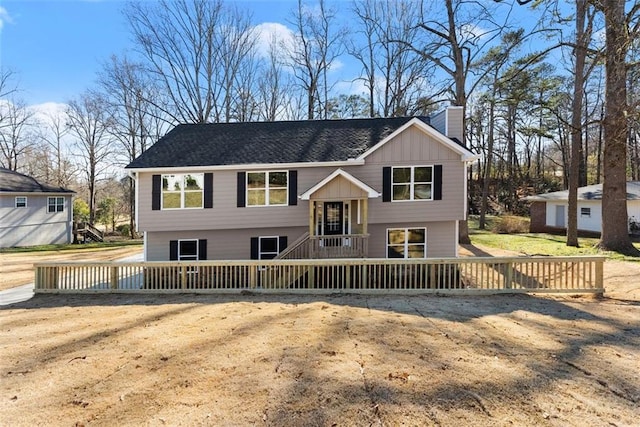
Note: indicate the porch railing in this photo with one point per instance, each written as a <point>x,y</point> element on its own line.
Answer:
<point>339,246</point>
<point>447,275</point>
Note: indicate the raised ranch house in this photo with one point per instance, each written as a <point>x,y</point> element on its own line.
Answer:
<point>549,211</point>
<point>33,213</point>
<point>379,188</point>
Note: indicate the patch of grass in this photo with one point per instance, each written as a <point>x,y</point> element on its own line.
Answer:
<point>101,245</point>
<point>544,244</point>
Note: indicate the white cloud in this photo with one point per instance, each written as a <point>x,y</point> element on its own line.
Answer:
<point>472,31</point>
<point>273,33</point>
<point>4,17</point>
<point>44,112</point>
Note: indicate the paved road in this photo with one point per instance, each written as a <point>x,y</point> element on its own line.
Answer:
<point>25,292</point>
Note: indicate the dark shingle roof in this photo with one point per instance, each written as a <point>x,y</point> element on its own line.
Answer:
<point>267,142</point>
<point>11,181</point>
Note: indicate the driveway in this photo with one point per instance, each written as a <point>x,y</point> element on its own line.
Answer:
<point>25,292</point>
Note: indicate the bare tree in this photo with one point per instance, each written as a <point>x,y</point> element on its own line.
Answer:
<point>88,122</point>
<point>453,43</point>
<point>177,38</point>
<point>316,46</point>
<point>235,41</point>
<point>394,74</point>
<point>52,131</point>
<point>274,85</point>
<point>584,25</point>
<point>15,135</point>
<point>131,101</point>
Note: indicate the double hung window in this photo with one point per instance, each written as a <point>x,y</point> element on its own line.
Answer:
<point>412,183</point>
<point>55,204</point>
<point>187,250</point>
<point>406,243</point>
<point>21,202</point>
<point>268,247</point>
<point>585,212</point>
<point>183,191</point>
<point>267,188</point>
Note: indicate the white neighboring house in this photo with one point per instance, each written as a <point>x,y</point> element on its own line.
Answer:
<point>32,213</point>
<point>549,211</point>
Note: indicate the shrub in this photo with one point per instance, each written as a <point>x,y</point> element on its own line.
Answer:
<point>511,225</point>
<point>123,229</point>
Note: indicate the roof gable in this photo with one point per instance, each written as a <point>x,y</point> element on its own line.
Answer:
<point>452,144</point>
<point>370,192</point>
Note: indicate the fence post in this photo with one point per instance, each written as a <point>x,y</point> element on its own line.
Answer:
<point>508,275</point>
<point>114,277</point>
<point>183,276</point>
<point>600,275</point>
<point>252,276</point>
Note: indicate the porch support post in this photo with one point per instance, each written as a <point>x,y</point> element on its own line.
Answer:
<point>311,217</point>
<point>365,215</point>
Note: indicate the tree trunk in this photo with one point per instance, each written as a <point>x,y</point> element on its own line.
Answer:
<point>615,233</point>
<point>576,124</point>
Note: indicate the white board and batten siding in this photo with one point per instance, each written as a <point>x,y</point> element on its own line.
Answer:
<point>234,226</point>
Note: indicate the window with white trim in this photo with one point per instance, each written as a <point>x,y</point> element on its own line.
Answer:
<point>21,201</point>
<point>55,204</point>
<point>268,247</point>
<point>412,183</point>
<point>406,243</point>
<point>188,250</point>
<point>183,191</point>
<point>585,212</point>
<point>267,188</point>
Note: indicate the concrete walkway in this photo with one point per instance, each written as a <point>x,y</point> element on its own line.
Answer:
<point>25,292</point>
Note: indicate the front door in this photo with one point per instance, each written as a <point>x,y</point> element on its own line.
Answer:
<point>560,216</point>
<point>333,218</point>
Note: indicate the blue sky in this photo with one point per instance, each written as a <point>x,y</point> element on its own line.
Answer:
<point>56,47</point>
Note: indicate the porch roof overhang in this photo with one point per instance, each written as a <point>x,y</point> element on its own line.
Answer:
<point>370,192</point>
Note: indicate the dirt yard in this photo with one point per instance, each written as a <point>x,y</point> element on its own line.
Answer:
<point>325,361</point>
<point>17,268</point>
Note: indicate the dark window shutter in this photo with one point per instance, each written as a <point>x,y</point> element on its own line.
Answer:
<point>386,184</point>
<point>293,188</point>
<point>208,190</point>
<point>242,182</point>
<point>254,248</point>
<point>437,182</point>
<point>282,243</point>
<point>156,192</point>
<point>202,249</point>
<point>173,250</point>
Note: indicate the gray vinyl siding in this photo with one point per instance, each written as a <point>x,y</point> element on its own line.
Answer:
<point>236,244</point>
<point>439,121</point>
<point>442,238</point>
<point>236,225</point>
<point>221,244</point>
<point>455,120</point>
<point>34,225</point>
<point>449,122</point>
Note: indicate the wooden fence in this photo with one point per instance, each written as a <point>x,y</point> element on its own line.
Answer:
<point>446,275</point>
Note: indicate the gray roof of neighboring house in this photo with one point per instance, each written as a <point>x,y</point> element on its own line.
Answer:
<point>11,181</point>
<point>590,192</point>
<point>268,142</point>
